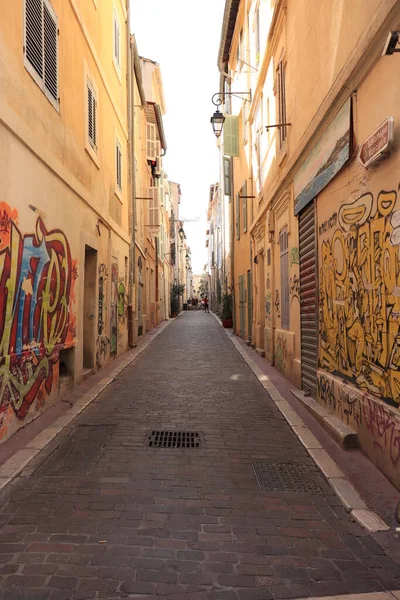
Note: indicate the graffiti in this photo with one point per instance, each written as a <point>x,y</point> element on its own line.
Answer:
<point>277,304</point>
<point>384,429</point>
<point>294,288</point>
<point>284,356</point>
<point>360,296</point>
<point>268,282</point>
<point>328,224</point>
<point>102,271</point>
<point>350,407</point>
<point>101,350</point>
<point>114,308</point>
<point>37,277</point>
<point>294,256</point>
<point>100,321</point>
<point>326,391</point>
<point>268,307</point>
<point>121,302</point>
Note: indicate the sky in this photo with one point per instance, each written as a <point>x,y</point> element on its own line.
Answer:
<point>183,36</point>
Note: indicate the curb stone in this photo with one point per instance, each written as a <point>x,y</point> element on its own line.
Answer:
<point>10,469</point>
<point>346,493</point>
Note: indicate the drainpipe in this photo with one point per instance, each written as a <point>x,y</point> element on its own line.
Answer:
<point>132,341</point>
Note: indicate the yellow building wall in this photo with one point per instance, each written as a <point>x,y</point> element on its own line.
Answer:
<point>59,318</point>
<point>359,284</point>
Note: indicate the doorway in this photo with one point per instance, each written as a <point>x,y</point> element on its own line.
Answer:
<point>242,306</point>
<point>89,309</point>
<point>261,300</point>
<point>249,307</point>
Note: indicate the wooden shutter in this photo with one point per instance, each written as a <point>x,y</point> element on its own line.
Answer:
<point>244,206</point>
<point>231,135</point>
<point>237,215</point>
<point>92,116</point>
<point>118,164</point>
<point>227,176</point>
<point>154,208</point>
<point>282,100</point>
<point>151,150</point>
<point>50,62</point>
<point>34,34</point>
<point>284,264</point>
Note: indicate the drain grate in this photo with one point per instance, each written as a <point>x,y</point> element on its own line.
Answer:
<point>79,453</point>
<point>285,477</point>
<point>174,439</point>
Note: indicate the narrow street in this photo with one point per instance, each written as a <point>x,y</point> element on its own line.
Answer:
<point>170,523</point>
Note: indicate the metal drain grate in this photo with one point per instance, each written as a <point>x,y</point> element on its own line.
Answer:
<point>79,453</point>
<point>285,477</point>
<point>174,439</point>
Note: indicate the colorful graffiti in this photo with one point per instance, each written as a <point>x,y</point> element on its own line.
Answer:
<point>121,302</point>
<point>360,296</point>
<point>277,304</point>
<point>37,277</point>
<point>114,308</point>
<point>294,288</point>
<point>294,256</point>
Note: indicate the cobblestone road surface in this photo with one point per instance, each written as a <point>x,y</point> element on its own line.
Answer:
<point>175,524</point>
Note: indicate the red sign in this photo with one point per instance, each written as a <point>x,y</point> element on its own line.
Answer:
<point>377,144</point>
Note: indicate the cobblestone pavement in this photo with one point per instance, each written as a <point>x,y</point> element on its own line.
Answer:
<point>176,524</point>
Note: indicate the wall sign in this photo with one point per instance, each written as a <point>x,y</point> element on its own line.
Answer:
<point>378,144</point>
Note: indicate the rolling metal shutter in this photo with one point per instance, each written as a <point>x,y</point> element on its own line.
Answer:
<point>308,300</point>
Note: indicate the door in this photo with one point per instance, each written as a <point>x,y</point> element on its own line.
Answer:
<point>114,308</point>
<point>242,307</point>
<point>249,306</point>
<point>308,300</point>
<point>89,309</point>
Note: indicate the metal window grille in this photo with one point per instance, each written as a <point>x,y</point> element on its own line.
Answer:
<point>284,264</point>
<point>41,46</point>
<point>282,100</point>
<point>118,164</point>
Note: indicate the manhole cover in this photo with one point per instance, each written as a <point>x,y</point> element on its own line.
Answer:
<point>79,453</point>
<point>174,439</point>
<point>285,477</point>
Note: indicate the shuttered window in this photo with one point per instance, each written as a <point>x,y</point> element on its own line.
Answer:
<point>92,115</point>
<point>243,193</point>
<point>118,165</point>
<point>41,46</point>
<point>281,82</point>
<point>154,207</point>
<point>117,42</point>
<point>237,215</point>
<point>284,264</point>
<point>227,176</point>
<point>151,145</point>
<point>231,135</point>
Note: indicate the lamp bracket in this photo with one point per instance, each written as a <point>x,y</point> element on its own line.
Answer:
<point>219,97</point>
<point>277,125</point>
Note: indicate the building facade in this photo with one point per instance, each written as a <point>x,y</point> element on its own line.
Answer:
<point>323,249</point>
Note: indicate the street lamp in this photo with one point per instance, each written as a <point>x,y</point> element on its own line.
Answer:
<point>218,119</point>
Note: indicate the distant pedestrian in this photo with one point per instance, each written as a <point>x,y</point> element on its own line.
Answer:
<point>205,300</point>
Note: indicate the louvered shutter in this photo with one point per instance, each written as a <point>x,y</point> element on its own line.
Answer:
<point>50,51</point>
<point>92,116</point>
<point>117,41</point>
<point>34,34</point>
<point>154,210</point>
<point>118,165</point>
<point>231,135</point>
<point>151,141</point>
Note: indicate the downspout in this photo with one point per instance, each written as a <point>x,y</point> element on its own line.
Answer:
<point>132,341</point>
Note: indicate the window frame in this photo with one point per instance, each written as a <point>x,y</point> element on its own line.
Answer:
<point>243,193</point>
<point>90,87</point>
<point>281,93</point>
<point>284,273</point>
<point>227,177</point>
<point>117,60</point>
<point>118,152</point>
<point>40,79</point>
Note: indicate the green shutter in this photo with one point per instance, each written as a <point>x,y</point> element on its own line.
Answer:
<point>231,135</point>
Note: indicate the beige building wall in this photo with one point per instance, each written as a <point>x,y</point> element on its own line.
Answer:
<point>64,220</point>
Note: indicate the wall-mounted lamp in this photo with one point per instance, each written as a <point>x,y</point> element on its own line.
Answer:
<point>218,119</point>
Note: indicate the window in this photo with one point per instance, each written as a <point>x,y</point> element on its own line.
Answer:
<point>118,165</point>
<point>281,83</point>
<point>92,115</point>
<point>117,43</point>
<point>154,211</point>
<point>243,193</point>
<point>284,264</point>
<point>257,33</point>
<point>239,50</point>
<point>41,46</point>
<point>227,176</point>
<point>245,117</point>
<point>237,216</point>
<point>151,146</point>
